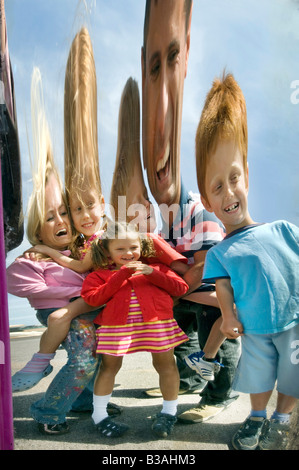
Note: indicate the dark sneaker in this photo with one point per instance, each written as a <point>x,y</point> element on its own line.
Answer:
<point>109,428</point>
<point>274,435</point>
<point>53,429</point>
<point>163,424</point>
<point>248,434</point>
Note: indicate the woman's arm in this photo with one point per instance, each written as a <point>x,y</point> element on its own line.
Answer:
<point>26,278</point>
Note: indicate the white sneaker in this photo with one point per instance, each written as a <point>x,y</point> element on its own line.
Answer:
<point>204,368</point>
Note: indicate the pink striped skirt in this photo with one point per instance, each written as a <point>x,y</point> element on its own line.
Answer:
<point>137,335</point>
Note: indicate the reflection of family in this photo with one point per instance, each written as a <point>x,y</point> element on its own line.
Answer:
<point>134,275</point>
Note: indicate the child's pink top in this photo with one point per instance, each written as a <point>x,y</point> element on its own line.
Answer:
<point>45,284</point>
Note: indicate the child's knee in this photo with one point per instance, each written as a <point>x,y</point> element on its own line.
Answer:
<point>164,364</point>
<point>111,365</point>
<point>57,321</point>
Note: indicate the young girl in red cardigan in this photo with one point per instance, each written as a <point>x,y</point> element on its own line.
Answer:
<point>137,317</point>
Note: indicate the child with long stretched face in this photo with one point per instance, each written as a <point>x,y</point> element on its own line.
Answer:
<point>129,197</point>
<point>81,156</point>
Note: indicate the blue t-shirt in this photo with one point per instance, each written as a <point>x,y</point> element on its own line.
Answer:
<point>262,263</point>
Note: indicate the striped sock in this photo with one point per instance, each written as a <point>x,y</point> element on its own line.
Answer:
<point>38,363</point>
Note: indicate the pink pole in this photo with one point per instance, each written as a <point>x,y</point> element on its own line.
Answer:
<point>6,410</point>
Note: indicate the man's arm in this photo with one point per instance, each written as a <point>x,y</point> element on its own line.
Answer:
<point>193,275</point>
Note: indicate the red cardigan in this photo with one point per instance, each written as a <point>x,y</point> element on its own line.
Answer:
<point>113,289</point>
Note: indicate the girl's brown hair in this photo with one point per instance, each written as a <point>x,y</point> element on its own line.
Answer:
<point>117,230</point>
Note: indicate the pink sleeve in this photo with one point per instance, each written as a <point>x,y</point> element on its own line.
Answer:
<point>26,279</point>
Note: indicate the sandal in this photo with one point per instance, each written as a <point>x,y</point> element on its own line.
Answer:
<point>109,428</point>
<point>53,429</point>
<point>22,381</point>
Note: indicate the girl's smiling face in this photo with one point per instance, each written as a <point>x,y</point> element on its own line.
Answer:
<point>226,185</point>
<point>87,212</point>
<point>124,250</point>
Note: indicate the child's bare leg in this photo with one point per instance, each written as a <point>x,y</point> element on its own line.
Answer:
<point>259,401</point>
<point>58,327</point>
<point>39,365</point>
<point>169,378</point>
<point>285,403</point>
<point>214,340</point>
<point>109,367</point>
<point>103,386</point>
<point>204,362</point>
<point>57,330</point>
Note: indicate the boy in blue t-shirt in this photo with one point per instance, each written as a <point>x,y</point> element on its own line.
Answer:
<point>255,269</point>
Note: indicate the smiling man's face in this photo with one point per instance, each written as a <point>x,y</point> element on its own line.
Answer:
<point>164,67</point>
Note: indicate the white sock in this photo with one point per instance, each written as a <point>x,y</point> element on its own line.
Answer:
<point>170,407</point>
<point>100,403</point>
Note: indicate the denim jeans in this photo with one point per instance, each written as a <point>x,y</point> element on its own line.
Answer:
<point>192,316</point>
<point>75,377</point>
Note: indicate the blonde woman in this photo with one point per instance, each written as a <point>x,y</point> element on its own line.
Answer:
<point>49,286</point>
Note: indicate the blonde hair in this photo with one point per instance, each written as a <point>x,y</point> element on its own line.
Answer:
<point>81,156</point>
<point>43,162</point>
<point>128,145</point>
<point>117,230</point>
<point>224,117</point>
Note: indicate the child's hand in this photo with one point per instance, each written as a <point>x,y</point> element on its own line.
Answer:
<point>232,328</point>
<point>139,268</point>
<point>34,253</point>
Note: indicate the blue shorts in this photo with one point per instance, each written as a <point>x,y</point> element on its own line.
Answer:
<point>266,359</point>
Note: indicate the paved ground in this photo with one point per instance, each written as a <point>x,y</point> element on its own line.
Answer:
<point>136,375</point>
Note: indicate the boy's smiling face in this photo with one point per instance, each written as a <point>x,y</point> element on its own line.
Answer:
<point>226,185</point>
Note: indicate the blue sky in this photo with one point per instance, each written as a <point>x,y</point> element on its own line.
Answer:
<point>256,40</point>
